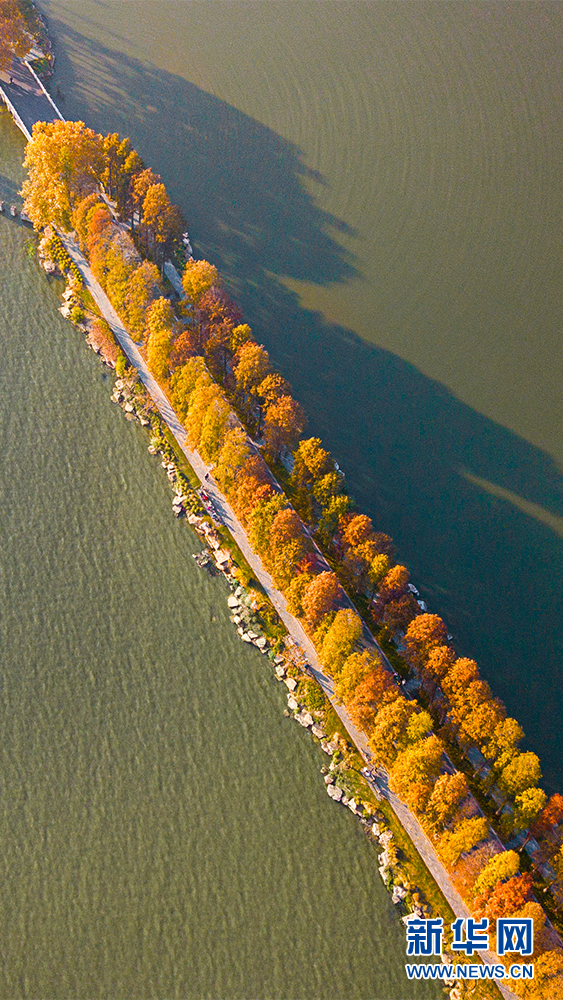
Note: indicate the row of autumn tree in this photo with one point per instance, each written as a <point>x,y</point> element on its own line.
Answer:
<point>225,392</point>
<point>66,162</point>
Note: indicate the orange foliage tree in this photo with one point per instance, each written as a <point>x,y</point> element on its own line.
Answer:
<point>424,634</point>
<point>288,545</point>
<point>550,817</point>
<point>448,792</point>
<point>439,662</point>
<point>397,615</point>
<point>284,421</point>
<point>377,689</point>
<point>251,487</point>
<point>321,597</point>
<point>504,899</point>
<point>218,316</point>
<point>162,222</point>
<point>392,587</point>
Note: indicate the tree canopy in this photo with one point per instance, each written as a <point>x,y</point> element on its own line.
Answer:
<point>198,276</point>
<point>463,838</point>
<point>500,868</point>
<point>320,597</point>
<point>64,161</point>
<point>14,37</point>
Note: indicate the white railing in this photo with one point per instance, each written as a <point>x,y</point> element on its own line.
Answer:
<point>23,128</point>
<point>46,92</point>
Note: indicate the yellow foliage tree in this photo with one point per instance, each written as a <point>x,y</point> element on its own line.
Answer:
<point>64,161</point>
<point>521,773</point>
<point>158,353</point>
<point>284,562</point>
<point>547,983</point>
<point>504,741</point>
<point>204,396</point>
<point>448,792</point>
<point>183,383</point>
<point>465,836</point>
<point>311,464</point>
<point>389,735</point>
<point>415,770</point>
<point>528,806</point>
<point>312,461</point>
<point>296,592</point>
<point>141,292</point>
<point>160,316</point>
<point>198,276</point>
<point>213,428</point>
<point>117,271</point>
<point>239,336</point>
<point>262,518</point>
<point>251,367</point>
<point>14,38</point>
<point>500,868</point>
<point>340,640</point>
<point>139,186</point>
<point>231,458</point>
<point>354,669</point>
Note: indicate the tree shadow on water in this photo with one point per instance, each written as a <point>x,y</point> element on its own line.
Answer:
<point>239,183</point>
<point>476,511</point>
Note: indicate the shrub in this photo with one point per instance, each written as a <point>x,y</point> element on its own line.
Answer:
<point>312,694</point>
<point>77,314</point>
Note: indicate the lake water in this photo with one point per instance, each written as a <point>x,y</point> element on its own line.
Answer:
<point>165,830</point>
<point>380,183</point>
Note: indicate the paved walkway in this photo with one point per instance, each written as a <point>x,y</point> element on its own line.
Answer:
<point>26,96</point>
<point>294,627</point>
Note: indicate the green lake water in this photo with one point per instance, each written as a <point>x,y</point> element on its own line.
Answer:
<point>164,829</point>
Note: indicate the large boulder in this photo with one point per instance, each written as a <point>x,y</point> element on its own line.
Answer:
<point>335,792</point>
